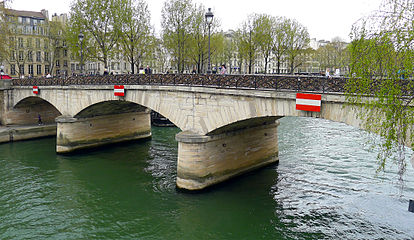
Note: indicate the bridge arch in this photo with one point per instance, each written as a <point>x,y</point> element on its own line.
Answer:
<point>31,110</point>
<point>244,124</point>
<point>109,107</point>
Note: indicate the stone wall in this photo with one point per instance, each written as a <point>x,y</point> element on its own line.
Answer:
<point>17,133</point>
<point>27,112</point>
<point>74,134</point>
<point>207,160</point>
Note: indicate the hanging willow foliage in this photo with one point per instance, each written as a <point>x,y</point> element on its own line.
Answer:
<point>381,83</point>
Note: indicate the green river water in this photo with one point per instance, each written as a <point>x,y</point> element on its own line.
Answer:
<point>324,187</point>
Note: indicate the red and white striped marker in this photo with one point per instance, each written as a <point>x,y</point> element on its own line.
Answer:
<point>119,90</point>
<point>35,90</point>
<point>308,102</point>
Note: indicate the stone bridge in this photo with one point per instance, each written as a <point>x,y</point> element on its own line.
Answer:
<point>229,123</point>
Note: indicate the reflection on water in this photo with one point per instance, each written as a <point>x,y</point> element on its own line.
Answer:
<point>324,187</point>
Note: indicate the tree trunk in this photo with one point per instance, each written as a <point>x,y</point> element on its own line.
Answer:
<point>278,66</point>
<point>132,65</point>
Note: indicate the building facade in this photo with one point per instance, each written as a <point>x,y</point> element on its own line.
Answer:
<point>33,45</point>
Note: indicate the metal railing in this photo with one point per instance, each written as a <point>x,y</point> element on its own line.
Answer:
<point>275,82</point>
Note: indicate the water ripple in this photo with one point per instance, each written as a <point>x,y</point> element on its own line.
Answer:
<point>324,187</point>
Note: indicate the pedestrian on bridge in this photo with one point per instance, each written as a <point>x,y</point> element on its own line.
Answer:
<point>223,69</point>
<point>148,70</point>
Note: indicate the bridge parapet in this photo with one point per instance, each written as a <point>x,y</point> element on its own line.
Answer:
<point>275,82</point>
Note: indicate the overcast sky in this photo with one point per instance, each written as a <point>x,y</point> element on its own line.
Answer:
<point>325,19</point>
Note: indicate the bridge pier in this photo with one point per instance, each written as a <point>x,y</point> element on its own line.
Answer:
<point>74,133</point>
<point>206,160</point>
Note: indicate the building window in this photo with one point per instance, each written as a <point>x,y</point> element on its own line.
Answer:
<point>12,43</point>
<point>46,56</point>
<point>29,42</point>
<point>20,42</point>
<point>46,43</point>
<point>13,56</point>
<point>57,53</point>
<point>72,67</point>
<point>21,69</point>
<point>39,70</point>
<point>37,43</point>
<point>57,72</point>
<point>65,63</point>
<point>30,56</point>
<point>13,69</point>
<point>38,56</point>
<point>57,63</point>
<point>31,69</point>
<point>21,56</point>
<point>47,69</point>
<point>65,52</point>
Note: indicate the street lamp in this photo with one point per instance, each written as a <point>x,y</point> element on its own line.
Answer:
<point>81,36</point>
<point>209,19</point>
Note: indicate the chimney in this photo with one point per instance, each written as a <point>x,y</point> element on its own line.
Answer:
<point>45,13</point>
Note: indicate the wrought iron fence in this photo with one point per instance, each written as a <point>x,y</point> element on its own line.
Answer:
<point>275,82</point>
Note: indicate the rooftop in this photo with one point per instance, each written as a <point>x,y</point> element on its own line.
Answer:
<point>20,13</point>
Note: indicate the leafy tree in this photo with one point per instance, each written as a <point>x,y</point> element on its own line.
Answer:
<point>161,55</point>
<point>135,34</point>
<point>218,49</point>
<point>229,50</point>
<point>265,34</point>
<point>56,37</point>
<point>333,55</point>
<point>381,85</point>
<point>248,40</point>
<point>240,56</point>
<point>279,40</point>
<point>176,29</point>
<point>198,40</point>
<point>4,31</point>
<point>297,38</point>
<point>99,21</point>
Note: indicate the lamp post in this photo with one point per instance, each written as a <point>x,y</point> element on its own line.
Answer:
<point>209,19</point>
<point>81,36</point>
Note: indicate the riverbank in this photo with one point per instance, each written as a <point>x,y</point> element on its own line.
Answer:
<point>18,133</point>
